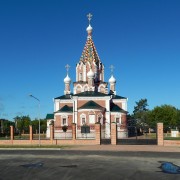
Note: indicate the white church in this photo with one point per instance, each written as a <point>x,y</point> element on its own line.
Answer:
<point>91,100</point>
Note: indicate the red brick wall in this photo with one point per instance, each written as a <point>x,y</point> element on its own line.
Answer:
<point>57,121</point>
<point>171,142</point>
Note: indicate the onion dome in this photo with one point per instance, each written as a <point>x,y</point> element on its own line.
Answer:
<point>67,79</point>
<point>90,74</point>
<point>112,79</point>
<point>89,29</point>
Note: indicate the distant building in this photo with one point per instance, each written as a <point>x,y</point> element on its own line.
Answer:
<point>91,101</point>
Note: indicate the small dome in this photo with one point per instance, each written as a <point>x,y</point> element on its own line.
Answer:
<point>89,29</point>
<point>112,79</point>
<point>90,74</point>
<point>67,79</point>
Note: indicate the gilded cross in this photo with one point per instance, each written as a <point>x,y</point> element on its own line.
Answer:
<point>89,17</point>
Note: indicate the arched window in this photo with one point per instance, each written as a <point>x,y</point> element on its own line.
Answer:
<point>83,119</point>
<point>118,118</point>
<point>64,120</point>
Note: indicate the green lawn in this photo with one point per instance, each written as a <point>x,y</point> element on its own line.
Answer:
<point>24,137</point>
<point>171,138</point>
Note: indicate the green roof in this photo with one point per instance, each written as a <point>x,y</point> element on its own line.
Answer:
<point>91,105</point>
<point>65,109</point>
<point>91,93</point>
<point>116,108</point>
<point>118,97</point>
<point>67,96</point>
<point>50,116</point>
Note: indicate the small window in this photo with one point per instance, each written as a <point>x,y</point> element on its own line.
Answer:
<point>92,119</point>
<point>64,121</point>
<point>117,120</point>
<point>83,121</point>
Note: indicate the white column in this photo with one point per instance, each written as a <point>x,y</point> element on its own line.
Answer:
<point>107,125</point>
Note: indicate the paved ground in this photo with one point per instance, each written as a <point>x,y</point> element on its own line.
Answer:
<point>76,164</point>
<point>146,148</point>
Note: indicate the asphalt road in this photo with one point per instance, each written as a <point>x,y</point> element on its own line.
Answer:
<point>77,165</point>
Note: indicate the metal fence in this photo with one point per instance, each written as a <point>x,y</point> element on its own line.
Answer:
<point>86,132</point>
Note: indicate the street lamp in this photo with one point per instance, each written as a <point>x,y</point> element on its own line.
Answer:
<point>38,115</point>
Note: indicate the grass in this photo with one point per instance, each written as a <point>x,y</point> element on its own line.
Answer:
<point>24,137</point>
<point>171,138</point>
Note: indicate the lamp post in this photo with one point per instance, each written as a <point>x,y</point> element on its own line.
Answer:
<point>38,115</point>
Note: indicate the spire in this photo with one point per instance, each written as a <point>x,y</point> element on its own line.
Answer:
<point>89,53</point>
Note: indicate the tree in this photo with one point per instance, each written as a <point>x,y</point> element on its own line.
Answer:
<point>140,113</point>
<point>43,125</point>
<point>166,114</point>
<point>178,119</point>
<point>5,129</point>
<point>141,106</point>
<point>22,123</point>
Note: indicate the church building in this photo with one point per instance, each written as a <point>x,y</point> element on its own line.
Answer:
<point>91,100</point>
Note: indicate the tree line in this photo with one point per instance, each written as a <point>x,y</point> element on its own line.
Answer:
<point>144,118</point>
<point>21,125</point>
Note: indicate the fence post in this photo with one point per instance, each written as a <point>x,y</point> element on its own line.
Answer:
<point>74,131</point>
<point>12,133</point>
<point>160,134</point>
<point>51,133</point>
<point>98,133</point>
<point>113,133</point>
<point>30,134</point>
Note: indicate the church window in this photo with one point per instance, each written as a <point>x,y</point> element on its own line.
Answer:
<point>64,121</point>
<point>86,88</point>
<point>91,118</point>
<point>117,120</point>
<point>83,121</point>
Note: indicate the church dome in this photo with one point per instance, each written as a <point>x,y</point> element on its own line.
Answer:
<point>89,29</point>
<point>67,79</point>
<point>112,79</point>
<point>90,74</point>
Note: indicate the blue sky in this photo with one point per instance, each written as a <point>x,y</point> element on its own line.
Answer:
<point>39,37</point>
